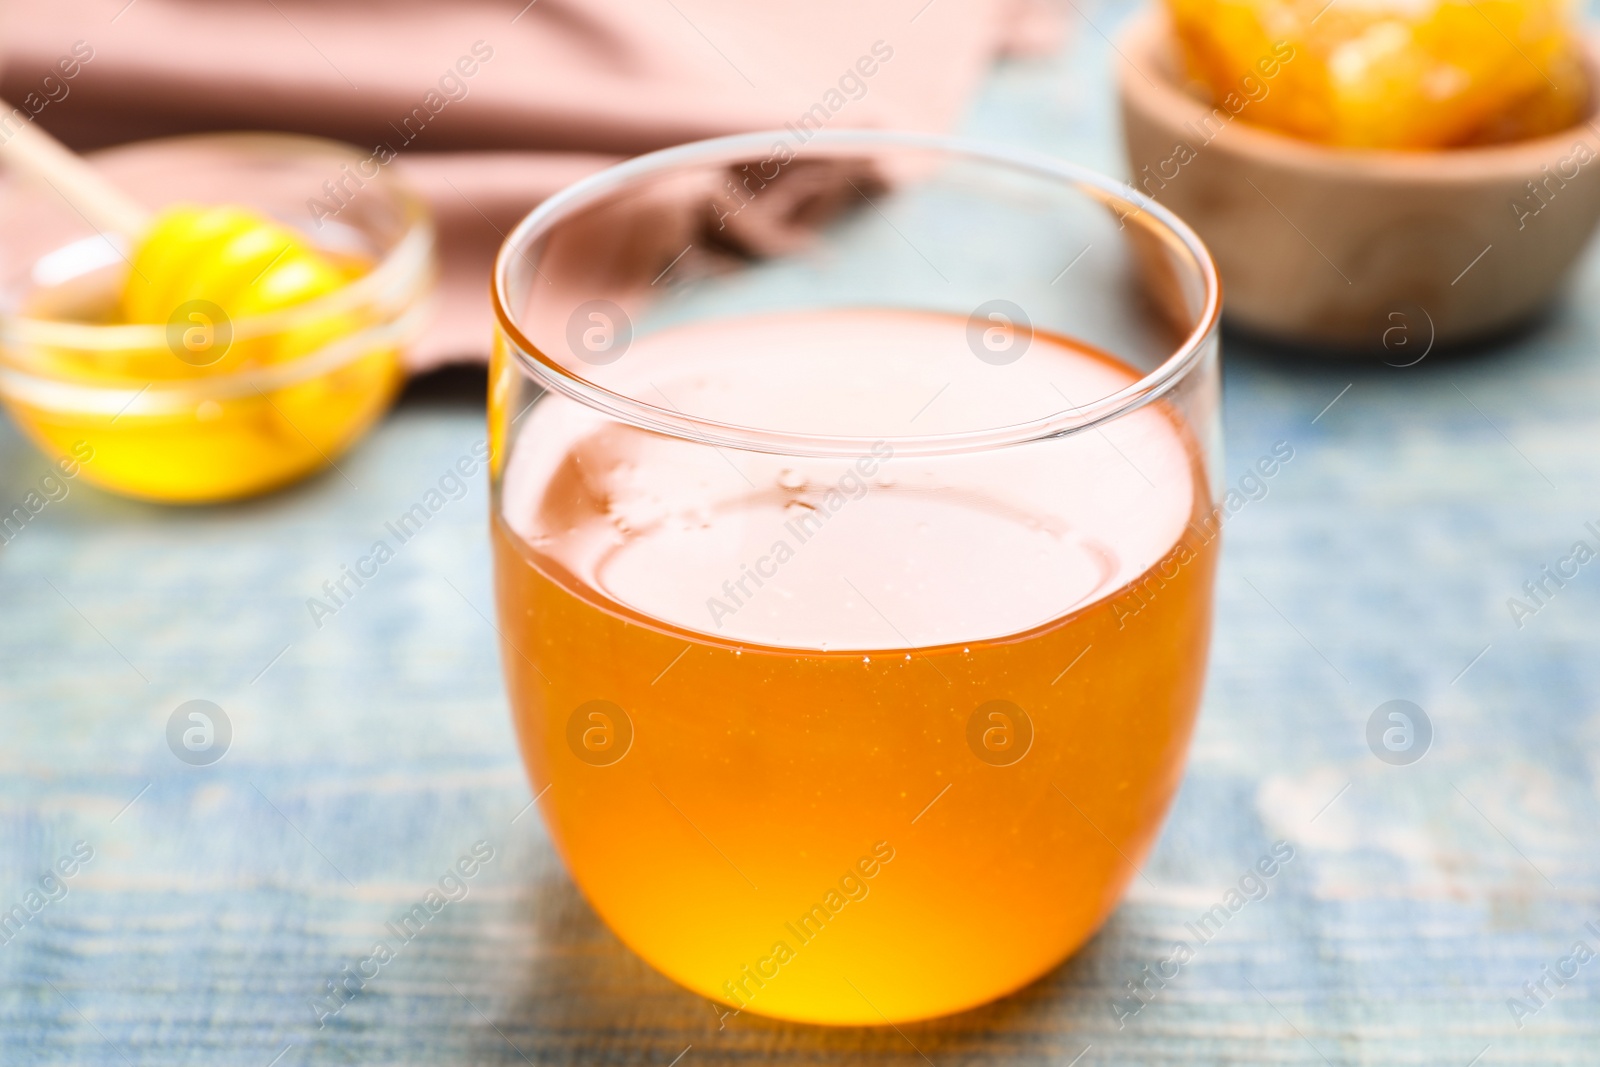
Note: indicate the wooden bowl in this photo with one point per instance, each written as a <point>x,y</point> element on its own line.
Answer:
<point>1337,247</point>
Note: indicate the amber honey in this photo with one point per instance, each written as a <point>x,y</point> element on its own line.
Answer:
<point>865,738</point>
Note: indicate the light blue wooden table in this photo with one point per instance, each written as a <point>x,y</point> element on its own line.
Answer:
<point>369,754</point>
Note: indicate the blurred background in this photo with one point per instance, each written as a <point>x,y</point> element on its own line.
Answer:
<point>215,903</point>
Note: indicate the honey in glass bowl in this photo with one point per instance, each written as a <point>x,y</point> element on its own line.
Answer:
<point>211,405</point>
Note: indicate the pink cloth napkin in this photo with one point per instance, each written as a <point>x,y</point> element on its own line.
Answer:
<point>491,106</point>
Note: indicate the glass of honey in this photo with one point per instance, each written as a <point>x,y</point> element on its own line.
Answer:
<point>854,527</point>
<point>218,402</point>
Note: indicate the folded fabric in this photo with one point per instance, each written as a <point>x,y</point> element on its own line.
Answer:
<point>488,107</point>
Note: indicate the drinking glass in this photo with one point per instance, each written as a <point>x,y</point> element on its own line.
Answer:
<point>854,533</point>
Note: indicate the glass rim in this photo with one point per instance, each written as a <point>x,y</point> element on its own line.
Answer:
<point>390,280</point>
<point>1185,356</point>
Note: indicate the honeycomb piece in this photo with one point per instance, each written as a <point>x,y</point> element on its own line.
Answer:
<point>1398,74</point>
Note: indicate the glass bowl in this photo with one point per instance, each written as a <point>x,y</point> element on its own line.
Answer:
<point>855,531</point>
<point>199,408</point>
